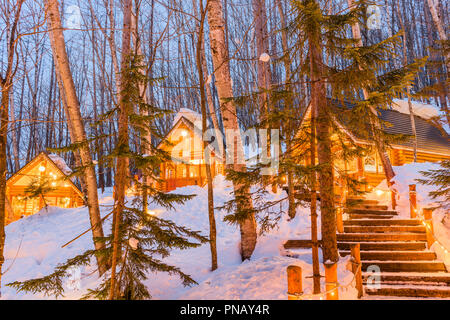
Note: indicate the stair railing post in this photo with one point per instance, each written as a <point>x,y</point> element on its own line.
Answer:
<point>356,267</point>
<point>339,218</point>
<point>412,201</point>
<point>295,285</point>
<point>331,281</point>
<point>393,199</point>
<point>428,220</point>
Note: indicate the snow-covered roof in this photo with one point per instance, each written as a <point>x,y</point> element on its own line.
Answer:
<point>422,110</point>
<point>60,163</point>
<point>191,115</point>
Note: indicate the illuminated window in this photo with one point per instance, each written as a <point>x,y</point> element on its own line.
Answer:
<point>370,164</point>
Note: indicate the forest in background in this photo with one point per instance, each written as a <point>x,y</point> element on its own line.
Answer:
<point>168,31</point>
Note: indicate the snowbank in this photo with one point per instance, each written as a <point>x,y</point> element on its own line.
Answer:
<point>404,176</point>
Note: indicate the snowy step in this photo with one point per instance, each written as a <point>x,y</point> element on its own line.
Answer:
<point>385,246</point>
<point>369,207</point>
<point>416,291</point>
<point>355,201</point>
<point>373,237</point>
<point>384,229</point>
<point>370,216</point>
<point>383,222</point>
<point>394,255</point>
<point>405,266</point>
<point>410,277</point>
<point>372,212</point>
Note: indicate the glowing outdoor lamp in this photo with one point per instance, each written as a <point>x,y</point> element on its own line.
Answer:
<point>379,192</point>
<point>184,133</point>
<point>41,168</point>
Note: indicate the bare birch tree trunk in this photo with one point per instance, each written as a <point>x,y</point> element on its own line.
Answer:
<point>220,57</point>
<point>206,154</point>
<point>379,144</point>
<point>408,89</point>
<point>122,145</point>
<point>289,104</point>
<point>75,122</point>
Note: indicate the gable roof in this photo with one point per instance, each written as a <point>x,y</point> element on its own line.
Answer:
<point>429,138</point>
<point>42,156</point>
<point>181,119</point>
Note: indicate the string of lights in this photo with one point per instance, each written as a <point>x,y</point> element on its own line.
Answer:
<point>431,231</point>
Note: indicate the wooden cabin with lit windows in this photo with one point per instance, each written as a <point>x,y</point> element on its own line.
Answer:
<point>60,191</point>
<point>433,143</point>
<point>185,145</point>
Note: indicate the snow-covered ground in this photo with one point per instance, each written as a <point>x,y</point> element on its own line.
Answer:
<point>33,249</point>
<point>404,176</point>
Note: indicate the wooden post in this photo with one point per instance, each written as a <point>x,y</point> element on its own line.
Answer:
<point>412,201</point>
<point>295,287</point>
<point>356,267</point>
<point>331,281</point>
<point>339,219</point>
<point>428,216</point>
<point>393,199</point>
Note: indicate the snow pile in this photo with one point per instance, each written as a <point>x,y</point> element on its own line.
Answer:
<point>423,110</point>
<point>191,115</point>
<point>60,163</point>
<point>404,176</point>
<point>33,249</point>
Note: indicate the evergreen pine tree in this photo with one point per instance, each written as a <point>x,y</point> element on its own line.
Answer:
<point>441,179</point>
<point>143,238</point>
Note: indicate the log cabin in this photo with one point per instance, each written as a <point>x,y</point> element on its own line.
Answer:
<point>433,143</point>
<point>185,145</point>
<point>60,190</point>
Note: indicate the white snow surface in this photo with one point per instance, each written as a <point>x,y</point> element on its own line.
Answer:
<point>191,115</point>
<point>33,249</point>
<point>404,176</point>
<point>60,163</point>
<point>423,110</point>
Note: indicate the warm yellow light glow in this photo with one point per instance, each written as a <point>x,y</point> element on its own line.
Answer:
<point>379,192</point>
<point>53,184</point>
<point>151,212</point>
<point>184,133</point>
<point>41,168</point>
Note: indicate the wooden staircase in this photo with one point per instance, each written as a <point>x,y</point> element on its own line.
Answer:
<point>397,247</point>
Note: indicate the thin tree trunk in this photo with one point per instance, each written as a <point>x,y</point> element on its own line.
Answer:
<point>289,106</point>
<point>313,208</point>
<point>75,121</point>
<point>379,144</point>
<point>324,154</point>
<point>440,27</point>
<point>408,89</point>
<point>220,56</point>
<point>123,145</point>
<point>6,83</point>
<point>206,154</point>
